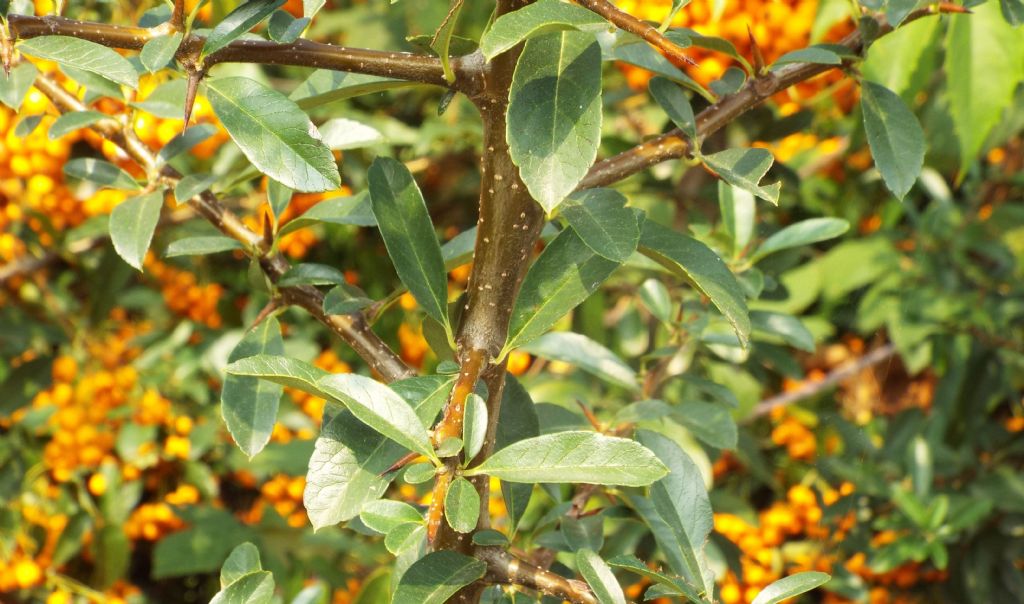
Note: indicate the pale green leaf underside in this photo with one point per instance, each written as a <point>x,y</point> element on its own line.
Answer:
<point>791,586</point>
<point>535,19</point>
<point>132,224</point>
<point>249,404</point>
<point>894,135</point>
<point>82,54</point>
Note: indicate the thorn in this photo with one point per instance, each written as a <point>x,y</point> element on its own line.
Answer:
<point>268,229</point>
<point>759,66</point>
<point>406,459</point>
<point>589,414</point>
<point>194,77</point>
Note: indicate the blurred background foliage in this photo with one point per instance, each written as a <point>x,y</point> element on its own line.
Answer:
<point>887,451</point>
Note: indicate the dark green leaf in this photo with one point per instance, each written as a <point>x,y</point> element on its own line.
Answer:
<point>697,263</point>
<point>641,54</point>
<point>249,404</point>
<point>82,54</point>
<point>790,586</point>
<point>462,505</point>
<point>246,16</point>
<point>274,134</point>
<point>574,457</point>
<point>69,122</point>
<point>673,100</point>
<point>199,246</point>
<point>534,20</point>
<point>744,168</point>
<point>159,51</point>
<point>518,421</point>
<point>185,141</point>
<point>132,224</point>
<point>285,28</point>
<point>1013,11</point>
<point>675,585</point>
<point>689,37</point>
<point>436,577</point>
<point>554,113</point>
<point>895,137</point>
<point>326,86</point>
<point>352,210</point>
<point>800,234</point>
<point>710,422</point>
<point>14,87</point>
<point>309,273</point>
<point>345,299</point>
<point>100,172</point>
<point>192,185</point>
<point>590,356</point>
<point>811,54</point>
<point>600,578</point>
<point>409,236</point>
<point>604,223</point>
<point>490,537</point>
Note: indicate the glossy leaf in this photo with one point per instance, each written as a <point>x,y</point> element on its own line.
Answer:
<point>744,168</point>
<point>100,172</point>
<point>249,404</point>
<point>282,370</point>
<point>811,54</point>
<point>600,577</point>
<point>285,28</point>
<point>404,537</point>
<point>349,210</point>
<point>534,20</point>
<point>564,275</point>
<point>673,100</point>
<point>245,16</point>
<point>462,506</point>
<point>554,113</point>
<point>159,51</point>
<point>474,427</point>
<point>82,54</point>
<point>342,133</point>
<point>436,577</point>
<point>386,514</point>
<point>274,134</point>
<point>14,87</point>
<point>253,588</point>
<point>800,234</point>
<point>132,224</point>
<point>379,407</point>
<point>587,354</point>
<point>200,246</point>
<point>790,586</point>
<point>409,236</point>
<point>574,457</point>
<point>894,135</point>
<point>69,122</point>
<point>604,223</point>
<point>701,266</point>
<point>310,273</point>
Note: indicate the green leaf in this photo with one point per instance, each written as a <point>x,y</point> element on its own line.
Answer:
<point>200,246</point>
<point>82,54</point>
<point>27,125</point>
<point>811,54</point>
<point>554,113</point>
<point>564,275</point>
<point>673,100</point>
<point>192,185</point>
<point>185,141</point>
<point>894,135</point>
<point>345,299</point>
<point>635,565</point>
<point>311,7</point>
<point>132,224</point>
<point>282,370</point>
<point>696,262</point>
<point>787,327</point>
<point>249,404</point>
<point>325,86</point>
<point>681,502</point>
<point>285,28</point>
<point>600,577</point>
<point>894,59</point>
<point>1013,11</point>
<point>566,457</point>
<point>689,37</point>
<point>984,65</point>
<point>274,134</point>
<point>677,5</point>
<point>518,421</point>
<point>100,172</point>
<point>462,506</point>
<point>243,560</point>
<point>474,427</point>
<point>342,134</point>
<point>710,422</point>
<point>380,408</point>
<point>436,577</point>
<point>310,273</point>
<point>254,588</point>
<point>604,223</point>
<point>790,586</point>
<point>404,537</point>
<point>386,514</point>
<point>166,100</point>
<point>739,213</point>
<point>69,122</point>
<point>245,16</point>
<point>656,299</point>
<point>351,210</point>
<point>418,473</point>
<point>641,54</point>
<point>14,87</point>
<point>159,51</point>
<point>744,168</point>
<point>490,537</point>
<point>537,19</point>
<point>800,234</point>
<point>278,196</point>
<point>442,40</point>
<point>590,356</point>
<point>409,236</point>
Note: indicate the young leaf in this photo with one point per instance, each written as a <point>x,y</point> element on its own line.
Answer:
<point>587,354</point>
<point>442,39</point>
<point>246,16</point>
<point>462,506</point>
<point>200,246</point>
<point>404,537</point>
<point>386,514</point>
<point>342,133</point>
<point>673,100</point>
<point>159,51</point>
<point>474,428</point>
<point>132,224</point>
<point>554,113</point>
<point>310,273</point>
<point>351,210</point>
<point>790,586</point>
<point>600,578</point>
<point>282,370</point>
<point>345,299</point>
<point>894,135</point>
<point>800,234</point>
<point>242,560</point>
<point>379,407</point>
<point>274,134</point>
<point>285,28</point>
<point>253,588</point>
<point>409,236</point>
<point>602,220</point>
<point>436,577</point>
<point>681,501</point>
<point>325,86</point>
<point>564,275</point>
<point>192,185</point>
<point>697,263</point>
<point>534,20</point>
<point>69,122</point>
<point>100,172</point>
<point>744,168</point>
<point>249,404</point>
<point>811,54</point>
<point>738,215</point>
<point>676,585</point>
<point>566,457</point>
<point>14,87</point>
<point>82,54</point>
<point>278,196</point>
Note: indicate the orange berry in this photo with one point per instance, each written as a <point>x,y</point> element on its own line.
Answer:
<point>97,484</point>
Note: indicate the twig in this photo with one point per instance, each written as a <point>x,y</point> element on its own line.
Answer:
<point>643,30</point>
<point>844,371</point>
<point>504,568</point>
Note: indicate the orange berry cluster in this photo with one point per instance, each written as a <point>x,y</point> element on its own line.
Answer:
<point>792,433</point>
<point>184,295</point>
<point>311,405</point>
<point>25,568</point>
<point>284,494</point>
